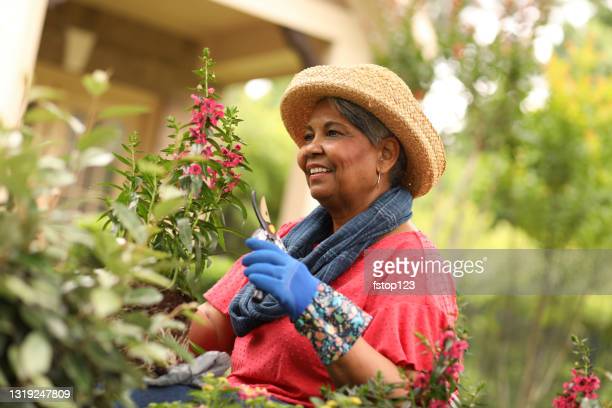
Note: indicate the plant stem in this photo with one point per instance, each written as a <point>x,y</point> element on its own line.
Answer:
<point>153,198</point>
<point>91,114</point>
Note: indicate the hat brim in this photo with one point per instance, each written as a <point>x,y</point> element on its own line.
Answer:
<point>404,118</point>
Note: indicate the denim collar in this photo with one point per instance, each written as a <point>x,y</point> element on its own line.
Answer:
<point>333,255</point>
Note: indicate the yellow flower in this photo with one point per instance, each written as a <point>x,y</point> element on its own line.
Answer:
<point>355,401</point>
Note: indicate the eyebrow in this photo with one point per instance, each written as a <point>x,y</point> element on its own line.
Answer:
<point>328,124</point>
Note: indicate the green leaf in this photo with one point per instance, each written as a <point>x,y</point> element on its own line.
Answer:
<point>218,223</point>
<point>100,136</point>
<point>163,322</point>
<point>96,83</point>
<point>151,168</point>
<point>95,157</point>
<point>78,372</point>
<point>167,192</point>
<point>45,93</point>
<point>35,355</point>
<point>41,115</point>
<point>130,221</point>
<point>126,330</point>
<point>143,296</point>
<point>123,159</point>
<point>168,207</point>
<point>170,342</point>
<point>185,234</point>
<point>105,302</point>
<point>57,327</point>
<point>19,288</point>
<point>119,111</point>
<point>151,352</point>
<point>149,276</point>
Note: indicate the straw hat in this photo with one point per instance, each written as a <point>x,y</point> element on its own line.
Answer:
<point>384,94</point>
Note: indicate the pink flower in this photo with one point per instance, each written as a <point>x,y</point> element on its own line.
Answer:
<point>198,136</point>
<point>196,99</point>
<point>178,156</point>
<point>207,152</point>
<point>448,336</point>
<point>208,105</point>
<point>581,386</point>
<point>567,401</point>
<point>210,182</point>
<point>594,382</point>
<point>457,349</point>
<point>211,177</point>
<point>230,186</point>
<point>233,159</point>
<point>211,90</point>
<point>195,169</point>
<point>421,380</point>
<point>454,370</point>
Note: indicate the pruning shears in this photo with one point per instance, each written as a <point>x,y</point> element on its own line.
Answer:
<point>267,232</point>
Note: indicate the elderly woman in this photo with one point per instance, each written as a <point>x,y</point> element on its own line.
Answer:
<point>366,150</point>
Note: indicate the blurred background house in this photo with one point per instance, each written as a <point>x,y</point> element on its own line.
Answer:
<point>520,91</point>
<point>151,47</point>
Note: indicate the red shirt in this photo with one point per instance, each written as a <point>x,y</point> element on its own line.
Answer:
<point>276,357</point>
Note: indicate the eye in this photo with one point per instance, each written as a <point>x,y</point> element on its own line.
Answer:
<point>308,137</point>
<point>332,132</point>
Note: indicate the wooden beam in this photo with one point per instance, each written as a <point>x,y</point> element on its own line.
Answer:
<point>264,65</point>
<point>296,14</point>
<point>258,38</point>
<point>21,23</point>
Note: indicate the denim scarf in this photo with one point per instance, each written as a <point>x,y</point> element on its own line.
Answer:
<point>333,255</point>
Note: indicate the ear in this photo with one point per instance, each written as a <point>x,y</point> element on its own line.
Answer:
<point>388,154</point>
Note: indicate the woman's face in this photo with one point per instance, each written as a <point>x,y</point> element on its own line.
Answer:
<point>337,158</point>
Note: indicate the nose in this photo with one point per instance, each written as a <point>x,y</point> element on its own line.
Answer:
<point>313,146</point>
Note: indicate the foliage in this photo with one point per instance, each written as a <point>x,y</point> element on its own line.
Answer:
<point>540,174</point>
<point>217,392</point>
<point>173,201</point>
<point>271,153</point>
<point>63,283</point>
<point>432,388</point>
<point>555,173</point>
<point>580,391</point>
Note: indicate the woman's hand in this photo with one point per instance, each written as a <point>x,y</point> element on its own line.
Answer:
<point>272,270</point>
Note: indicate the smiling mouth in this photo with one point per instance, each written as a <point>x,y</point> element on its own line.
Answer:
<point>318,170</point>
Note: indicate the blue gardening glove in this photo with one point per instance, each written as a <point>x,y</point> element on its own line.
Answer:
<point>274,271</point>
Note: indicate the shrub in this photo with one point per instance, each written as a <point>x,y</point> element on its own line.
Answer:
<point>62,285</point>
<point>173,201</point>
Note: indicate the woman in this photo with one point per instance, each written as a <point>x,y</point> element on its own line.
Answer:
<point>366,150</point>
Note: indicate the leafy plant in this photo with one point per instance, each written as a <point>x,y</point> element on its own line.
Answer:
<point>432,388</point>
<point>217,392</point>
<point>580,391</point>
<point>173,201</point>
<point>64,282</point>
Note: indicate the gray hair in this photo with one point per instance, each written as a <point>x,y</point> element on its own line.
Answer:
<point>374,130</point>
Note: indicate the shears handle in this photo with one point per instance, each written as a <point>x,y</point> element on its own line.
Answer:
<point>258,295</point>
<point>265,233</point>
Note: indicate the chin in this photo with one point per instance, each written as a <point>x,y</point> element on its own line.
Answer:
<point>319,194</point>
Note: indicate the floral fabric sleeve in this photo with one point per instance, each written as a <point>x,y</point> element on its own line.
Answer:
<point>332,323</point>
